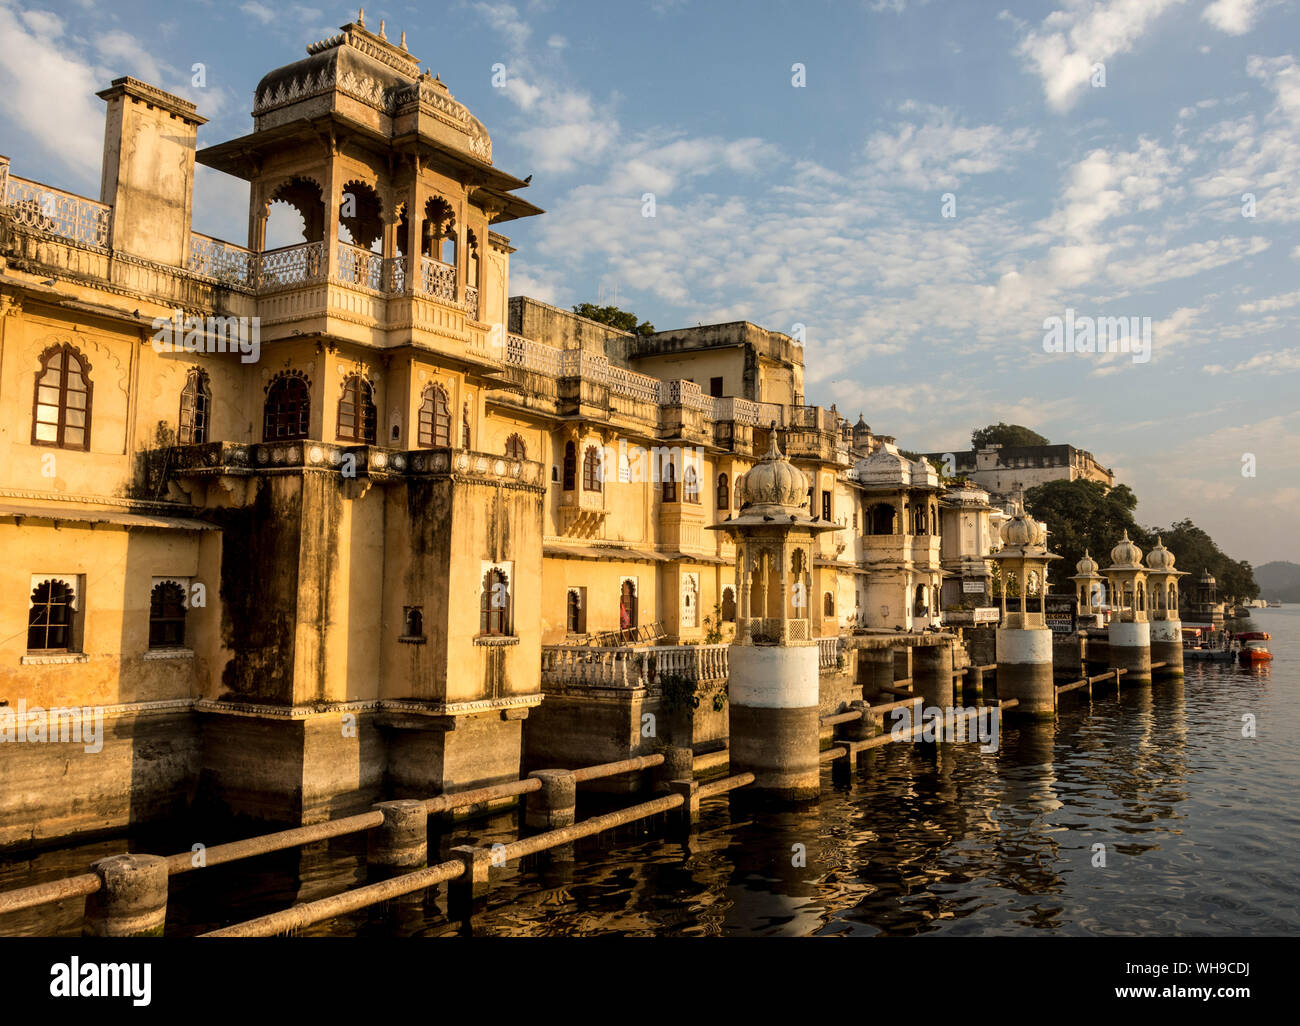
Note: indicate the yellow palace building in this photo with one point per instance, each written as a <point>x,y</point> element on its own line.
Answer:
<point>310,525</point>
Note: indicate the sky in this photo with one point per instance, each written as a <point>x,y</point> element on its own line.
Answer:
<point>917,187</point>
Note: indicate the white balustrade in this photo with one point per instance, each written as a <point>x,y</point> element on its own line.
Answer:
<point>291,265</point>
<point>471,301</point>
<point>438,279</point>
<point>631,667</point>
<point>221,260</point>
<point>357,266</point>
<point>57,212</point>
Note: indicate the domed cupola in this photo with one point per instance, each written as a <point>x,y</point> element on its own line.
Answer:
<point>1125,554</point>
<point>1160,558</point>
<point>775,481</point>
<point>1087,566</point>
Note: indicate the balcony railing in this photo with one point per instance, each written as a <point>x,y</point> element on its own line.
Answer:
<point>221,260</point>
<point>288,266</point>
<point>357,266</point>
<point>56,212</point>
<point>470,303</point>
<point>735,408</point>
<point>437,279</point>
<point>632,667</point>
<point>828,652</point>
<point>771,631</point>
<point>532,356</point>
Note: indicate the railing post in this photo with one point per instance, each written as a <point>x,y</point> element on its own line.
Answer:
<point>678,764</point>
<point>131,900</point>
<point>688,814</point>
<point>555,803</point>
<point>401,842</point>
<point>469,889</point>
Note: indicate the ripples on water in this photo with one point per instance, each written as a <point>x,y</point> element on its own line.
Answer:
<point>1200,828</point>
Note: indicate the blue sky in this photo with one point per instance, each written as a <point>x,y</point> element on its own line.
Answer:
<point>822,204</point>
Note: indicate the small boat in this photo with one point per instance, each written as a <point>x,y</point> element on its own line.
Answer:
<point>1254,647</point>
<point>1206,645</point>
<point>1275,605</point>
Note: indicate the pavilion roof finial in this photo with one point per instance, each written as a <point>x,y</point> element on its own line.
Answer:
<point>361,17</point>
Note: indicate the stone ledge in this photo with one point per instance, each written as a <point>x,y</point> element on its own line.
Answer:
<point>169,653</point>
<point>52,660</point>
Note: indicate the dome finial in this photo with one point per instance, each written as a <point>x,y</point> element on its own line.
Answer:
<point>361,17</point>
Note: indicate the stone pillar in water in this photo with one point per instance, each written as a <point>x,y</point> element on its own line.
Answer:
<point>1024,643</point>
<point>1130,629</point>
<point>1166,627</point>
<point>773,665</point>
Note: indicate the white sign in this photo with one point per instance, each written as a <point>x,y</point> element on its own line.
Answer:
<point>987,614</point>
<point>972,586</point>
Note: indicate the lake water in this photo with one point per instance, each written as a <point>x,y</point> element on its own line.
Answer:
<point>1199,824</point>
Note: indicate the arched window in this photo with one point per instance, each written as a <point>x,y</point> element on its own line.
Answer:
<point>880,519</point>
<point>591,473</point>
<point>627,620</point>
<point>464,426</point>
<point>288,409</point>
<point>196,401</point>
<point>570,466</point>
<point>728,605</point>
<point>167,615</point>
<point>61,409</point>
<point>724,497</point>
<point>828,604</point>
<point>690,485</point>
<point>921,605</point>
<point>515,448</point>
<point>435,418</point>
<point>356,421</point>
<point>670,482</point>
<point>49,619</point>
<point>494,604</point>
<point>576,611</point>
<point>413,617</point>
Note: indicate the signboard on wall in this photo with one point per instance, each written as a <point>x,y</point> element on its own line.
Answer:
<point>972,587</point>
<point>988,614</point>
<point>1059,613</point>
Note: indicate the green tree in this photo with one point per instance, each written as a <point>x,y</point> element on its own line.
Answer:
<point>1195,551</point>
<point>1005,434</point>
<point>1083,516</point>
<point>624,320</point>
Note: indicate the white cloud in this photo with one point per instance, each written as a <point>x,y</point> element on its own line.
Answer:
<point>939,152</point>
<point>505,19</point>
<point>258,11</point>
<point>1068,43</point>
<point>1234,17</point>
<point>1282,302</point>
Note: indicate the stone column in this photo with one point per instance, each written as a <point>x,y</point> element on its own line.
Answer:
<point>555,804</point>
<point>1025,670</point>
<point>132,897</point>
<point>1167,646</point>
<point>875,671</point>
<point>932,674</point>
<point>1130,649</point>
<point>773,714</point>
<point>401,843</point>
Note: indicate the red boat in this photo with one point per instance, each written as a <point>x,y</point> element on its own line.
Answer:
<point>1253,647</point>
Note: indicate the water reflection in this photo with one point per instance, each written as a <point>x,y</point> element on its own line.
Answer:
<point>1196,822</point>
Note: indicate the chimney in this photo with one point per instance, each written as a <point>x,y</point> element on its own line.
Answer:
<point>148,175</point>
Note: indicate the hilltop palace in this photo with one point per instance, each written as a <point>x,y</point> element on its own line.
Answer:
<point>314,525</point>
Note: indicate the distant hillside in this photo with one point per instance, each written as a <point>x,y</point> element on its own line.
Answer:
<point>1279,581</point>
